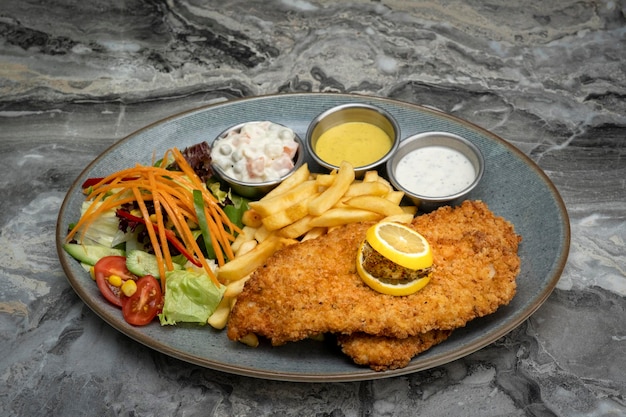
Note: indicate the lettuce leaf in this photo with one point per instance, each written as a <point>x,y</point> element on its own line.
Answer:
<point>189,297</point>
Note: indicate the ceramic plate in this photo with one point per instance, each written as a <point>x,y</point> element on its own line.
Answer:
<point>513,186</point>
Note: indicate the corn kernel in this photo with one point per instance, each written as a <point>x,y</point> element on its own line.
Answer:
<point>92,272</point>
<point>115,280</point>
<point>153,218</point>
<point>136,213</point>
<point>129,288</point>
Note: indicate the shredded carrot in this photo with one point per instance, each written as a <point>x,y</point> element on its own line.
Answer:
<point>161,228</point>
<point>180,224</point>
<point>171,193</point>
<point>224,236</point>
<point>210,201</point>
<point>150,229</point>
<point>94,211</point>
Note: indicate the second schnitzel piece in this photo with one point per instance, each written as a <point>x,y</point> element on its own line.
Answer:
<point>312,287</point>
<point>382,353</point>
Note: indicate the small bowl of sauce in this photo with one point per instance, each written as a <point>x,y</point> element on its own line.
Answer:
<point>435,168</point>
<point>254,157</point>
<point>362,134</point>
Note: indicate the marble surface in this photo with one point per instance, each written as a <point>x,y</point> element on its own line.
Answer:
<point>76,76</point>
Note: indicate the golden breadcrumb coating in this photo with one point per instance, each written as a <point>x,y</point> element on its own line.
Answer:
<point>385,353</point>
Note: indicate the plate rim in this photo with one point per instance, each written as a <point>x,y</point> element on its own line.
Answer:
<point>360,373</point>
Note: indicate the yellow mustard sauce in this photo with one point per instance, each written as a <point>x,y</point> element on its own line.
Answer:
<point>359,143</point>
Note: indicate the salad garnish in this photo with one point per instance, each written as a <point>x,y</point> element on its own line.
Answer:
<point>172,196</point>
<point>149,225</point>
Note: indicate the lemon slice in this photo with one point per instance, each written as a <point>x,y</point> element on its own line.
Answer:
<point>400,244</point>
<point>388,287</point>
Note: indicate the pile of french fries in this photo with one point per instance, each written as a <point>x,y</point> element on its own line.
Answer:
<point>305,206</point>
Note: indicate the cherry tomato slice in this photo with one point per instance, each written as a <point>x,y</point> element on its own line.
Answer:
<point>142,307</point>
<point>103,269</point>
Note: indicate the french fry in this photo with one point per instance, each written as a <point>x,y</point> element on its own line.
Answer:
<point>247,233</point>
<point>251,218</point>
<point>341,203</point>
<point>298,177</point>
<point>342,216</point>
<point>409,209</point>
<point>370,176</point>
<point>288,216</point>
<point>313,233</point>
<point>384,181</point>
<point>250,339</point>
<point>262,234</point>
<point>243,265</point>
<point>219,318</point>
<point>330,196</point>
<point>236,287</point>
<point>333,228</point>
<point>376,188</point>
<point>268,206</point>
<point>297,228</point>
<point>246,247</point>
<point>395,197</point>
<point>325,180</point>
<point>378,205</point>
<point>282,242</point>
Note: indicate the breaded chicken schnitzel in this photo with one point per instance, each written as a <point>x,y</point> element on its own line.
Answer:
<point>312,287</point>
<point>383,353</point>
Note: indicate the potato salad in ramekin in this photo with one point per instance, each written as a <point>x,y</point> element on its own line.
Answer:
<point>255,152</point>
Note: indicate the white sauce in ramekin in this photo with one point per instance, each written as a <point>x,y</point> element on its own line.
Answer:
<point>435,171</point>
<point>258,152</point>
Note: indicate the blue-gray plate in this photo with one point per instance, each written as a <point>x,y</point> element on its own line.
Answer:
<point>513,186</point>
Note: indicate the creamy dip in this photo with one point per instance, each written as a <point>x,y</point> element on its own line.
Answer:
<point>258,152</point>
<point>359,143</point>
<point>435,171</point>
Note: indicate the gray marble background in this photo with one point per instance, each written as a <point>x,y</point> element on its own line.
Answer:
<point>76,76</point>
